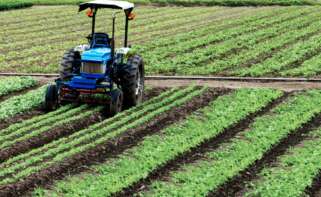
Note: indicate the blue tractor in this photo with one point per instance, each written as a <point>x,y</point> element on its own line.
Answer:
<point>97,72</point>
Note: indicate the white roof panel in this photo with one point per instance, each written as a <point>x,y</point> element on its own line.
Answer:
<point>124,5</point>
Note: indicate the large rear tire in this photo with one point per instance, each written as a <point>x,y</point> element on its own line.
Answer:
<point>132,77</point>
<point>51,98</point>
<point>70,64</point>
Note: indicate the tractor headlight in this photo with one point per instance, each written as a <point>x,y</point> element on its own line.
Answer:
<point>93,68</point>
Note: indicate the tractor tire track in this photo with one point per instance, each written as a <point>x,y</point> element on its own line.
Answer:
<point>198,152</point>
<point>112,148</point>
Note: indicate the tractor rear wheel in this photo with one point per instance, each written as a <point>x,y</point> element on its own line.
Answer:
<point>116,103</point>
<point>131,76</point>
<point>51,98</point>
<point>70,64</point>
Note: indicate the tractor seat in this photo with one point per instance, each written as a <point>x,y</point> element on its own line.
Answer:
<point>100,40</point>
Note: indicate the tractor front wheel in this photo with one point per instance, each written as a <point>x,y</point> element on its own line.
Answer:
<point>51,98</point>
<point>131,77</point>
<point>116,103</point>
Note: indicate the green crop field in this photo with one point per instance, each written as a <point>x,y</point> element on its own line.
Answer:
<point>231,138</point>
<point>265,41</point>
<point>189,141</point>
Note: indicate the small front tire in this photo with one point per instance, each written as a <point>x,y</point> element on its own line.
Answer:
<point>116,103</point>
<point>51,98</point>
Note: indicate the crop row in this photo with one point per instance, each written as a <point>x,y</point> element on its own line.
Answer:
<point>294,171</point>
<point>208,59</point>
<point>309,68</point>
<point>232,41</point>
<point>231,158</point>
<point>155,151</point>
<point>14,4</point>
<point>53,120</point>
<point>220,25</point>
<point>38,57</point>
<point>58,24</point>
<point>77,29</point>
<point>285,58</point>
<point>14,84</point>
<point>33,54</point>
<point>258,52</point>
<point>23,165</point>
<point>22,103</point>
<point>203,38</point>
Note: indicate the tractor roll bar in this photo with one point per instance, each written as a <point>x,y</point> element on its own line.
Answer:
<point>123,5</point>
<point>93,23</point>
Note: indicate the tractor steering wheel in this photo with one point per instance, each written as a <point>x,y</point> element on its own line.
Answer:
<point>89,38</point>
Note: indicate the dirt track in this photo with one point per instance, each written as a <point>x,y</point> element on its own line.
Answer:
<point>285,84</point>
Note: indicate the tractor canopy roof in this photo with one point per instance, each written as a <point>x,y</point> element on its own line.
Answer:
<point>123,5</point>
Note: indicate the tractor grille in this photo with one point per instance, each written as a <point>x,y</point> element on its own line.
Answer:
<point>93,68</point>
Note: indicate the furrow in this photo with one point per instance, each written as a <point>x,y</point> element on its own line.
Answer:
<point>245,149</point>
<point>98,143</point>
<point>64,146</point>
<point>171,142</point>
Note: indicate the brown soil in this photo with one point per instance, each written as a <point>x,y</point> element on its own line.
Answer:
<point>111,148</point>
<point>285,86</point>
<point>237,185</point>
<point>197,153</point>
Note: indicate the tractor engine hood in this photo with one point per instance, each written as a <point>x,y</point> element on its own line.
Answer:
<point>101,55</point>
<point>95,63</point>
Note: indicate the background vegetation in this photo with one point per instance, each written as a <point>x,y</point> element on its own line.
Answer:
<point>15,4</point>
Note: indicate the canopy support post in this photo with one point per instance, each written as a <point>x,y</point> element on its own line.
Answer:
<point>126,32</point>
<point>93,23</point>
